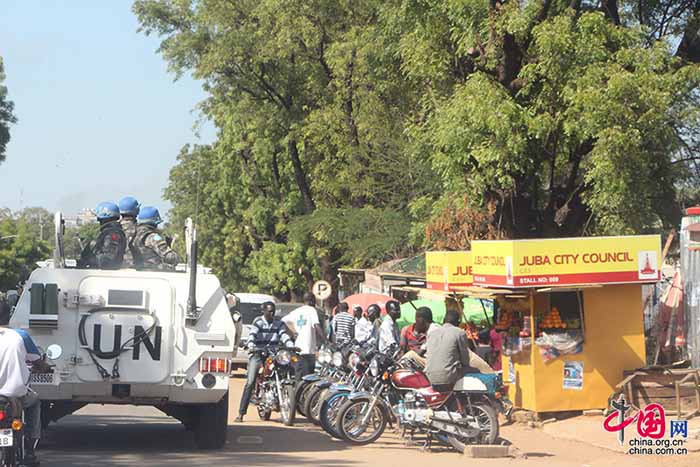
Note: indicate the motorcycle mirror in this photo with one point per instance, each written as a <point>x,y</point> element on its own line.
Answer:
<point>236,316</point>
<point>54,352</point>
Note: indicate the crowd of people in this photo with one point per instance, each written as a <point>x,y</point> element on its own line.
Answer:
<point>128,238</point>
<point>442,350</point>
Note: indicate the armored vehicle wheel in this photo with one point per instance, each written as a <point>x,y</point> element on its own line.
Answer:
<point>211,425</point>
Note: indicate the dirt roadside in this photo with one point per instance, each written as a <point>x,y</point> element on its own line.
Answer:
<point>306,444</point>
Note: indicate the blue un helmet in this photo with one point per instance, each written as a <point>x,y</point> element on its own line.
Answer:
<point>107,210</point>
<point>149,215</point>
<point>128,206</point>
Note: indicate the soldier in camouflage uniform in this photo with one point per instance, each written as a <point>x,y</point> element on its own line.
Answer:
<point>107,250</point>
<point>129,209</point>
<point>151,250</point>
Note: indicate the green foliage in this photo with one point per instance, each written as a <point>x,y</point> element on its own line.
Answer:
<point>352,132</point>
<point>20,249</point>
<point>584,138</point>
<point>6,114</point>
<point>363,236</point>
<point>40,222</point>
<point>309,101</point>
<point>77,238</point>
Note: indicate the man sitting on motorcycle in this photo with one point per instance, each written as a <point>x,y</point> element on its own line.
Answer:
<point>449,357</point>
<point>266,330</point>
<point>414,337</point>
<point>14,378</point>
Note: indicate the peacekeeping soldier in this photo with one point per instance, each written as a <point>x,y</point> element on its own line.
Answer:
<point>151,250</point>
<point>129,209</point>
<point>107,250</point>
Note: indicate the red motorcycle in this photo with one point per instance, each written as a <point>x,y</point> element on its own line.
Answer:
<point>466,414</point>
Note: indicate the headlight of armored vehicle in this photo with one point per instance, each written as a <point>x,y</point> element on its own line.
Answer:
<point>283,357</point>
<point>54,352</point>
<point>337,359</point>
<point>374,367</point>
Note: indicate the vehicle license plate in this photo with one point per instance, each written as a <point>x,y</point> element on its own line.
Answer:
<point>5,438</point>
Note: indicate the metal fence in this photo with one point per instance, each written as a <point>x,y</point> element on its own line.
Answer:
<point>690,270</point>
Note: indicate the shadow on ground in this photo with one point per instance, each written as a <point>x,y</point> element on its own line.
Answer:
<point>100,441</point>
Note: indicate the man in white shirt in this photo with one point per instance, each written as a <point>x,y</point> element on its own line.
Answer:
<point>363,328</point>
<point>304,324</point>
<point>389,330</point>
<point>14,377</point>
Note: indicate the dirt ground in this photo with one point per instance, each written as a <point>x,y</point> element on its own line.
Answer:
<point>306,444</point>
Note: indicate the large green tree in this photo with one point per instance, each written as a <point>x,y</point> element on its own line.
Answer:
<point>6,114</point>
<point>310,105</point>
<point>553,118</point>
<point>350,132</point>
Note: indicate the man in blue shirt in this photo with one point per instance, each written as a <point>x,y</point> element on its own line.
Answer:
<point>265,331</point>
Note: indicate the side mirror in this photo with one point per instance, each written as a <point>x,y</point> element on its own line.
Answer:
<point>54,352</point>
<point>236,316</point>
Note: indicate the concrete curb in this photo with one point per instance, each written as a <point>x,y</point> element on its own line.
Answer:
<point>487,451</point>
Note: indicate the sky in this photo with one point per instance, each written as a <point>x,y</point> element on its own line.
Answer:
<point>99,115</point>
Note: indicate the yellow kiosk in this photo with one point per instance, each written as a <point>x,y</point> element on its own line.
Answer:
<point>571,314</point>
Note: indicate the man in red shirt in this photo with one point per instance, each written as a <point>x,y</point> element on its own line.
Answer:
<point>414,337</point>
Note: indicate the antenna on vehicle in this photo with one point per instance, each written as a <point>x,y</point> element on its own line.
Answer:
<point>191,228</point>
<point>58,251</point>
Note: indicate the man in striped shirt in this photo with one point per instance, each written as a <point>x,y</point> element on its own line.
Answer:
<point>343,325</point>
<point>265,331</point>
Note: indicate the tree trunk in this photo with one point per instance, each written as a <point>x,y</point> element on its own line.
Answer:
<point>353,133</point>
<point>689,47</point>
<point>329,273</point>
<point>300,176</point>
<point>610,9</point>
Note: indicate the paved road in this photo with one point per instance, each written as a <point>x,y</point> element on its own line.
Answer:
<point>101,436</point>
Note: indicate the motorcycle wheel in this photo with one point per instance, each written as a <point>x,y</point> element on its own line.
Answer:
<point>329,413</point>
<point>264,414</point>
<point>312,402</point>
<point>317,404</point>
<point>287,404</point>
<point>351,414</point>
<point>486,415</point>
<point>301,393</point>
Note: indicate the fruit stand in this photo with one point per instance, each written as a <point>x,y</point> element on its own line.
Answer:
<point>571,312</point>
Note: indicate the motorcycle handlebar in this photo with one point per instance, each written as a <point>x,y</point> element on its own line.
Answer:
<point>274,348</point>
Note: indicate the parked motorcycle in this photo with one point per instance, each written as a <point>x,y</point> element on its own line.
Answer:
<point>466,414</point>
<point>11,432</point>
<point>274,387</point>
<point>338,373</point>
<point>306,384</point>
<point>358,366</point>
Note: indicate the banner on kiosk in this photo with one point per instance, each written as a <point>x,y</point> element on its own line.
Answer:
<point>567,261</point>
<point>447,269</point>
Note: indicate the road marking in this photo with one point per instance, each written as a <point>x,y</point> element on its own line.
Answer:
<point>249,440</point>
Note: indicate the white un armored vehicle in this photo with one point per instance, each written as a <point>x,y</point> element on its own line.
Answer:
<point>136,337</point>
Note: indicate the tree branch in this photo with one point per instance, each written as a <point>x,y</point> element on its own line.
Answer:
<point>300,176</point>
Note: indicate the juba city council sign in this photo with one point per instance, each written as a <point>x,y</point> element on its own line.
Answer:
<point>567,261</point>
